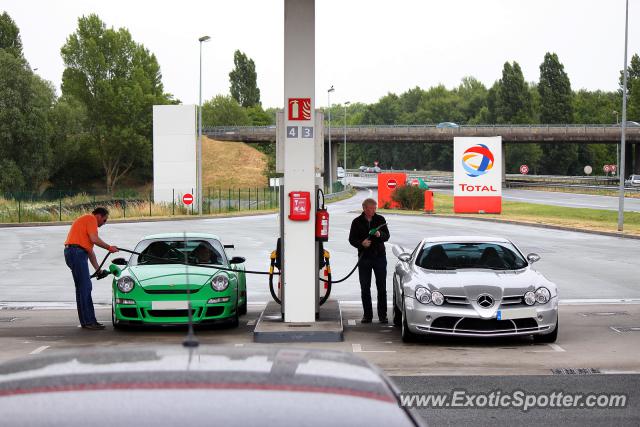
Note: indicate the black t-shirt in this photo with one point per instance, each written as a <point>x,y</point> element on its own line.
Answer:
<point>360,230</point>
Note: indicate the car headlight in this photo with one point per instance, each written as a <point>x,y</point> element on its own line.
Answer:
<point>529,298</point>
<point>543,295</point>
<point>220,283</point>
<point>125,284</point>
<point>423,295</point>
<point>437,298</point>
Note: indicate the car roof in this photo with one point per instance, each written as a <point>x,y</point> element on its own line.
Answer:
<point>234,378</point>
<point>181,235</point>
<point>465,239</point>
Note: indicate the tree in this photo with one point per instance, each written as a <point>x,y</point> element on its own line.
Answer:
<point>555,92</point>
<point>259,117</point>
<point>512,98</point>
<point>10,36</point>
<point>117,81</point>
<point>224,111</point>
<point>556,106</point>
<point>74,160</point>
<point>633,89</point>
<point>25,153</point>
<point>243,79</point>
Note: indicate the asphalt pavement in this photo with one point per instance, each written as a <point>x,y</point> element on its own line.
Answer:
<point>584,266</point>
<point>596,350</point>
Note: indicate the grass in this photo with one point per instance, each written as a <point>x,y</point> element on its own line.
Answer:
<point>232,165</point>
<point>613,193</point>
<point>581,218</point>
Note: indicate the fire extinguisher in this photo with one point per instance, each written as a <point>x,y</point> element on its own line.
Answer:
<point>322,221</point>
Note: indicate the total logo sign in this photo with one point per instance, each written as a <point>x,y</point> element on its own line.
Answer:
<point>477,174</point>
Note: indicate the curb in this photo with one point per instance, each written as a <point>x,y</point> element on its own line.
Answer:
<point>529,224</point>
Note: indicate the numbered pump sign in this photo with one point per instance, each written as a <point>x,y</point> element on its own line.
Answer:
<point>477,175</point>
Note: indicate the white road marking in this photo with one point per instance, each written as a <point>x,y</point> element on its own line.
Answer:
<point>40,349</point>
<point>555,348</point>
<point>351,322</point>
<point>587,301</point>
<point>617,372</point>
<point>238,345</point>
<point>251,322</point>
<point>357,348</point>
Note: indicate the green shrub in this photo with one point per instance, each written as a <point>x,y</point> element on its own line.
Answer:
<point>409,197</point>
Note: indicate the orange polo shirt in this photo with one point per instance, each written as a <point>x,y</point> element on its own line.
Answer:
<point>80,230</point>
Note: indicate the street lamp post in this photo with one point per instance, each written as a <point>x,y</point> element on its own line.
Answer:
<point>624,123</point>
<point>331,89</point>
<point>344,161</point>
<point>617,148</point>
<point>199,147</point>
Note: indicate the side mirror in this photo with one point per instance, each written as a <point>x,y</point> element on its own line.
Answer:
<point>532,257</point>
<point>119,261</point>
<point>404,257</point>
<point>237,260</point>
<point>400,253</point>
<point>115,270</point>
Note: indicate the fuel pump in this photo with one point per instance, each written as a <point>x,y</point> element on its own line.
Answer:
<point>299,203</point>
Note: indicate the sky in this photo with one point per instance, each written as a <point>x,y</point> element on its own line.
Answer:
<point>364,48</point>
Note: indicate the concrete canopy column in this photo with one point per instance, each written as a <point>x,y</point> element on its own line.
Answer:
<point>300,275</point>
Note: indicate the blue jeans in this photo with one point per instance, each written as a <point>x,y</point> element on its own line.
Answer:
<point>379,266</point>
<point>77,260</point>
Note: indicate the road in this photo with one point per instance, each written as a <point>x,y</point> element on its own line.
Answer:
<point>584,266</point>
<point>591,271</point>
<point>570,200</point>
<point>606,360</point>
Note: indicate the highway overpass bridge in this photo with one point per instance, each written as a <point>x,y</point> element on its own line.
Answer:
<point>521,134</point>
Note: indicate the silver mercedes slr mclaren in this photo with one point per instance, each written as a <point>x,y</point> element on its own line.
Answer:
<point>474,287</point>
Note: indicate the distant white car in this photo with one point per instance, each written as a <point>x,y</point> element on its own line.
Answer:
<point>445,125</point>
<point>340,172</point>
<point>633,180</point>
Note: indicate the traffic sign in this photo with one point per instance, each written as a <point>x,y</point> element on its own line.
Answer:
<point>606,168</point>
<point>187,199</point>
<point>613,168</point>
<point>524,169</point>
<point>299,109</point>
<point>392,183</point>
<point>588,169</point>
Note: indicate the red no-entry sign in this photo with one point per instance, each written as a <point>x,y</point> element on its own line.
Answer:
<point>392,183</point>
<point>187,199</point>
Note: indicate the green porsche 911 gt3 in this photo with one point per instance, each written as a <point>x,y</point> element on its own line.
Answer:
<point>151,288</point>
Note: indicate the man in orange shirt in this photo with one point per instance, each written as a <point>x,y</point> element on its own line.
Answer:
<point>78,249</point>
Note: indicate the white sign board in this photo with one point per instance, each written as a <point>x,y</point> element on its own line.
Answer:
<point>477,174</point>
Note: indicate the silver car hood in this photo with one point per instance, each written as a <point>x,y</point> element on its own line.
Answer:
<point>472,283</point>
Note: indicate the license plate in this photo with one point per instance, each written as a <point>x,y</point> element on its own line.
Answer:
<point>515,313</point>
<point>169,305</point>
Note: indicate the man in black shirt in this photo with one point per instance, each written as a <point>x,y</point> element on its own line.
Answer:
<point>371,249</point>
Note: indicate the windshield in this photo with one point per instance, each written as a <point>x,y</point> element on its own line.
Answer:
<point>453,256</point>
<point>172,251</point>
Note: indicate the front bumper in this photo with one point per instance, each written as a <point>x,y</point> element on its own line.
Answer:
<point>467,321</point>
<point>144,312</point>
